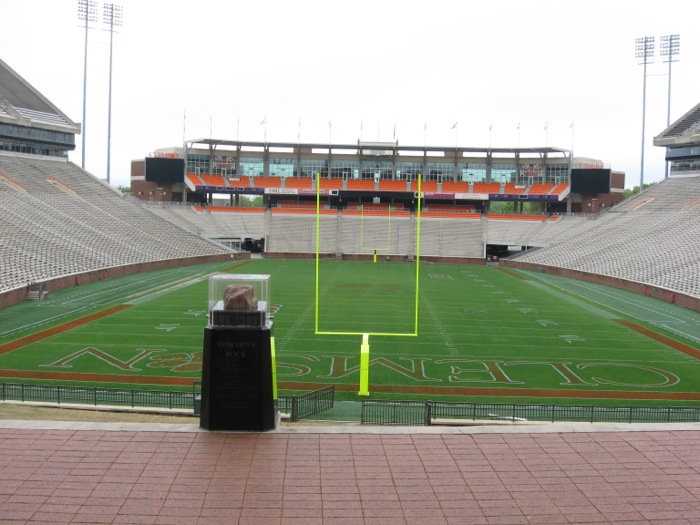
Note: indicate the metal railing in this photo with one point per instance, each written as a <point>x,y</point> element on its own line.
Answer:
<point>299,406</point>
<point>374,412</point>
<point>380,412</point>
<point>409,413</point>
<point>77,395</point>
<point>305,405</point>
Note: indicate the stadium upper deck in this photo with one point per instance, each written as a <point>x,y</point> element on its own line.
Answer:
<point>682,142</point>
<point>29,123</point>
<point>369,172</point>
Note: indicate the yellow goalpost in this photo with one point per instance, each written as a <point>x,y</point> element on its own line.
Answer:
<point>365,347</point>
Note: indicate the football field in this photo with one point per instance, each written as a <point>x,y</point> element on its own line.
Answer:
<point>482,332</point>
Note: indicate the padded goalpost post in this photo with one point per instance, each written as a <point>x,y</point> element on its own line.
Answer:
<point>365,347</point>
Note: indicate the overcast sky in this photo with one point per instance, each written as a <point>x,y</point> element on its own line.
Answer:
<point>372,67</point>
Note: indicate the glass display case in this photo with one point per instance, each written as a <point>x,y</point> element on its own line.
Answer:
<point>238,300</point>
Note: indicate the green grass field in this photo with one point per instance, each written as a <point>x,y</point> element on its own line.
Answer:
<point>483,332</point>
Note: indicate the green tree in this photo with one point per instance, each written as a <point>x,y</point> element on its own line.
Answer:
<point>634,191</point>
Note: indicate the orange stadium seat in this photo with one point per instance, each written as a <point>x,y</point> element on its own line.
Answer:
<point>295,204</point>
<point>304,211</point>
<point>301,183</point>
<point>361,184</point>
<point>392,185</point>
<point>487,187</point>
<point>242,181</point>
<point>559,188</point>
<point>376,213</point>
<point>540,188</point>
<point>268,182</point>
<point>235,209</point>
<point>194,179</point>
<point>449,215</point>
<point>517,217</point>
<point>330,184</point>
<point>427,186</point>
<point>455,187</point>
<point>213,180</point>
<point>511,189</point>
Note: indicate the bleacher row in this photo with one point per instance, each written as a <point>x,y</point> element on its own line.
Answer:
<point>56,220</point>
<point>308,183</point>
<point>653,239</point>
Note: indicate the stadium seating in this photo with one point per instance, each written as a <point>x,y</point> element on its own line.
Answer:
<point>235,209</point>
<point>64,221</point>
<point>393,185</point>
<point>451,238</point>
<point>364,234</point>
<point>361,184</point>
<point>239,181</point>
<point>194,179</point>
<point>487,187</point>
<point>450,215</point>
<point>301,183</point>
<point>214,180</point>
<point>427,186</point>
<point>455,187</point>
<point>540,188</point>
<point>330,184</point>
<point>512,189</point>
<point>267,182</point>
<point>517,217</point>
<point>57,220</point>
<point>559,188</point>
<point>657,243</point>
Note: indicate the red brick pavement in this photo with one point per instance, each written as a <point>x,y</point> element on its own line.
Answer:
<point>196,478</point>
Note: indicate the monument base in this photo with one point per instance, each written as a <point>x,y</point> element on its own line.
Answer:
<point>237,385</point>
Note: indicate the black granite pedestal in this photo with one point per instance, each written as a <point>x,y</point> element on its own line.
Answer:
<point>237,379</point>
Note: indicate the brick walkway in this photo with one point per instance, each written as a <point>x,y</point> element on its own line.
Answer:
<point>304,475</point>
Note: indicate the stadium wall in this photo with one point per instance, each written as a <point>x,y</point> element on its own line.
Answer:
<point>68,281</point>
<point>381,256</point>
<point>686,301</point>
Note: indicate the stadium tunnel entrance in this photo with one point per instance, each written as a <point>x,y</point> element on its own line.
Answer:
<point>500,251</point>
<point>253,245</point>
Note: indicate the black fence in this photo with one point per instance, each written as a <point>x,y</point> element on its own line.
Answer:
<point>298,407</point>
<point>78,395</point>
<point>429,412</point>
<point>305,405</point>
<point>409,413</point>
<point>374,412</point>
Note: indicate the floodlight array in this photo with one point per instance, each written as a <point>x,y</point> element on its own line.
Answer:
<point>670,45</point>
<point>87,10</point>
<point>644,49</point>
<point>112,14</point>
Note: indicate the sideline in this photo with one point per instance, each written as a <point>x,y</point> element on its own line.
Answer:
<point>64,327</point>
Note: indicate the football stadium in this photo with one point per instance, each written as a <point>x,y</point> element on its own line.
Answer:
<point>504,285</point>
<point>572,294</point>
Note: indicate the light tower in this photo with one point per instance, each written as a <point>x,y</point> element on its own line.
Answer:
<point>87,12</point>
<point>670,46</point>
<point>111,16</point>
<point>644,51</point>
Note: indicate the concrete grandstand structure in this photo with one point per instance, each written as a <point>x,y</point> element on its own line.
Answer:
<point>682,142</point>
